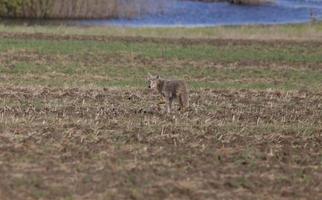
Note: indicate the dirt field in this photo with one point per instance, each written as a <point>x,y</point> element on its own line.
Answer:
<point>78,122</point>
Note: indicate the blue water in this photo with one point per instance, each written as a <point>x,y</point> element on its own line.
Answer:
<point>196,14</point>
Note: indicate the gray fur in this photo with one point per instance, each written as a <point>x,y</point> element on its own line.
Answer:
<point>170,90</point>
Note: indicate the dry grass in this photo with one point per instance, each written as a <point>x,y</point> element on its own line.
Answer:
<point>116,144</point>
<point>77,9</point>
<point>299,32</point>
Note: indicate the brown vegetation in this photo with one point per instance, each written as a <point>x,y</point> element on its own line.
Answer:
<point>69,9</point>
<point>113,144</point>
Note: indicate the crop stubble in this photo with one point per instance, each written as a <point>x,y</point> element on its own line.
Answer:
<point>116,143</point>
<point>102,142</point>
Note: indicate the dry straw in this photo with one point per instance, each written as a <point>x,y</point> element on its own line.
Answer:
<point>76,9</point>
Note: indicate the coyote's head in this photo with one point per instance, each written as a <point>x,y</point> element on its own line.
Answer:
<point>153,81</point>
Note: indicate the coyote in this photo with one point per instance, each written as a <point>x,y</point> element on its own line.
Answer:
<point>170,90</point>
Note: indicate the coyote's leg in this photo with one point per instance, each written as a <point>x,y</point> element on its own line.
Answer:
<point>169,101</point>
<point>183,101</point>
<point>180,102</point>
<point>169,105</point>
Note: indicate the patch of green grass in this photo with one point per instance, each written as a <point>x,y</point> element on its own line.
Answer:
<point>292,53</point>
<point>221,78</point>
<point>292,31</point>
<point>126,64</point>
<point>114,76</point>
<point>74,73</point>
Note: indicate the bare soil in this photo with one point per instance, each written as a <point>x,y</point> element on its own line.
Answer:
<point>118,144</point>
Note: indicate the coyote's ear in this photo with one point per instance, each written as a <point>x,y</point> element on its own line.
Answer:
<point>148,77</point>
<point>157,76</point>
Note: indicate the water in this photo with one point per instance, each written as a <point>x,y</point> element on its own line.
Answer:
<point>196,14</point>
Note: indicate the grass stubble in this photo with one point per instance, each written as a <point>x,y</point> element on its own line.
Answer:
<point>77,121</point>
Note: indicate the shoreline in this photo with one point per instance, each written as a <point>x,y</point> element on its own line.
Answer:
<point>109,23</point>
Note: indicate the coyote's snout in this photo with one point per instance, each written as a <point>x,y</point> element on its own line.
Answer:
<point>170,90</point>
